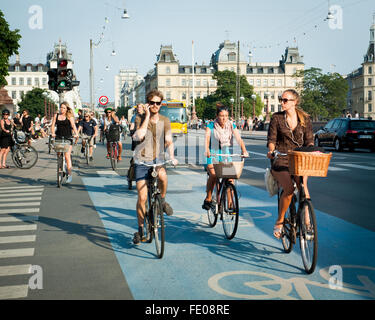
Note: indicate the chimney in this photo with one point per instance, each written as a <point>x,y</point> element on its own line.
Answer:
<point>17,58</point>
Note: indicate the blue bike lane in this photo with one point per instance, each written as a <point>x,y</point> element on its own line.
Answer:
<point>200,263</point>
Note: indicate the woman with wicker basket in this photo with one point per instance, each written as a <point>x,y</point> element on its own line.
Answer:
<point>289,129</point>
<point>65,125</point>
<point>218,139</point>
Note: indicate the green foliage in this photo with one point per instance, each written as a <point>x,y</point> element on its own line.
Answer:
<point>33,101</point>
<point>122,111</point>
<point>8,46</point>
<point>226,89</point>
<point>323,95</point>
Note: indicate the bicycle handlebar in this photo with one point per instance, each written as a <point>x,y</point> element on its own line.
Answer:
<point>277,154</point>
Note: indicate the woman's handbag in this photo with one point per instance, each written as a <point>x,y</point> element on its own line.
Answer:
<point>271,183</point>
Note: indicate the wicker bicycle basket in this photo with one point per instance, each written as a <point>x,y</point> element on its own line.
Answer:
<point>62,146</point>
<point>230,170</point>
<point>309,163</point>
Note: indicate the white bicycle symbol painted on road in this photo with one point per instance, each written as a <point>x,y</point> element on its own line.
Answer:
<point>271,286</point>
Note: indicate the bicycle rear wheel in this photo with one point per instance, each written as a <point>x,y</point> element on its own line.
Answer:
<point>308,236</point>
<point>158,223</point>
<point>25,157</point>
<point>212,213</point>
<point>60,169</point>
<point>229,210</point>
<point>288,235</point>
<point>113,155</point>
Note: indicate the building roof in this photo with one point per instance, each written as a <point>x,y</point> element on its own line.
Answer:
<point>23,67</point>
<point>227,52</point>
<point>4,97</point>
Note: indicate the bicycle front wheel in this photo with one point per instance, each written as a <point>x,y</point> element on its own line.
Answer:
<point>60,169</point>
<point>25,157</point>
<point>113,155</point>
<point>212,213</point>
<point>229,210</point>
<point>147,226</point>
<point>158,223</point>
<point>288,235</point>
<point>308,237</point>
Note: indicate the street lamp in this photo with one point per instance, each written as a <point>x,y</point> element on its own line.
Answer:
<point>253,96</point>
<point>231,103</point>
<point>242,99</point>
<point>267,95</point>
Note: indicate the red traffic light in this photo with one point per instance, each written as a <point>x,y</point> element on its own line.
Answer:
<point>63,63</point>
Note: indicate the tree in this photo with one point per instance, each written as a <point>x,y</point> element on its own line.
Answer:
<point>323,95</point>
<point>34,101</point>
<point>226,89</point>
<point>8,46</point>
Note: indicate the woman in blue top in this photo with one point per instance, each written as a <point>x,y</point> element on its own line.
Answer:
<point>219,139</point>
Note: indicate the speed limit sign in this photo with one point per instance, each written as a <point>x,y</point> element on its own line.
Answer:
<point>103,100</point>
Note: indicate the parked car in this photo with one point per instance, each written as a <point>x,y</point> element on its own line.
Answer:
<point>347,133</point>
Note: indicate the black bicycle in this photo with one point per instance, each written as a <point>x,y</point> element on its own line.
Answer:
<point>225,197</point>
<point>300,223</point>
<point>23,155</point>
<point>153,227</point>
<point>61,147</point>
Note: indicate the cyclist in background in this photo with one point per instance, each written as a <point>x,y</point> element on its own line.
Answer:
<point>65,125</point>
<point>27,125</point>
<point>89,131</point>
<point>218,140</point>
<point>152,135</point>
<point>289,129</point>
<point>6,126</point>
<point>112,130</point>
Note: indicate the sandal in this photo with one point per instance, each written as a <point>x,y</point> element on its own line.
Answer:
<point>278,230</point>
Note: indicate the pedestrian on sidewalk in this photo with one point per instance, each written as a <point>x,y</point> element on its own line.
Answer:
<point>5,138</point>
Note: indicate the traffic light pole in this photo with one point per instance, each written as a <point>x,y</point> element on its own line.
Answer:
<point>91,77</point>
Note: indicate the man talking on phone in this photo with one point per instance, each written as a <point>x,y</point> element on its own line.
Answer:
<point>153,135</point>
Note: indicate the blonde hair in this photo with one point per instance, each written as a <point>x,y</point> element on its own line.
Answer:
<point>69,111</point>
<point>301,115</point>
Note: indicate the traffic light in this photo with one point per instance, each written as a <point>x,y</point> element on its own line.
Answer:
<point>64,75</point>
<point>52,79</point>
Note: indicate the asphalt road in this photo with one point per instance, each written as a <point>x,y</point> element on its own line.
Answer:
<point>80,235</point>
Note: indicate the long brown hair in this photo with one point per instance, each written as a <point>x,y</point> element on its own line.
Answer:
<point>301,115</point>
<point>69,111</point>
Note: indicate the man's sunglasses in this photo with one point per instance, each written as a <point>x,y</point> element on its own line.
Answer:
<point>281,100</point>
<point>151,103</point>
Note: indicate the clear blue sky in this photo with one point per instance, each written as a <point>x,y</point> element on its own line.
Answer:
<point>266,26</point>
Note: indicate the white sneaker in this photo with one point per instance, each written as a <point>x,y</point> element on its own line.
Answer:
<point>69,179</point>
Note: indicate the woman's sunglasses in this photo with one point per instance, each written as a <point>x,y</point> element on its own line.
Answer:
<point>281,100</point>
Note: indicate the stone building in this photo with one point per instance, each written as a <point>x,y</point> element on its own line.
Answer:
<point>362,82</point>
<point>268,79</point>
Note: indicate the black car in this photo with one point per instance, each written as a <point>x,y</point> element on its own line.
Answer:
<point>347,133</point>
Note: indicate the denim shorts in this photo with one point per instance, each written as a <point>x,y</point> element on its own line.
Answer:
<point>141,171</point>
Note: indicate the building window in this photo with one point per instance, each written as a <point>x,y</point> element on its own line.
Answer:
<point>17,68</point>
<point>28,68</point>
<point>369,81</point>
<point>279,83</point>
<point>21,81</point>
<point>167,57</point>
<point>198,83</point>
<point>14,94</point>
<point>251,82</point>
<point>198,94</point>
<point>279,108</point>
<point>370,70</point>
<point>370,107</point>
<point>29,81</point>
<point>272,82</point>
<point>265,83</point>
<point>167,70</point>
<point>369,95</point>
<point>44,81</point>
<point>22,94</point>
<point>40,68</point>
<point>183,96</point>
<point>168,95</point>
<point>36,82</point>
<point>258,82</point>
<point>168,82</point>
<point>212,83</point>
<point>183,82</point>
<point>272,108</point>
<point>205,82</point>
<point>232,56</point>
<point>14,81</point>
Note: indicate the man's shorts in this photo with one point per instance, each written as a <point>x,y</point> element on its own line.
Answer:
<point>141,171</point>
<point>91,141</point>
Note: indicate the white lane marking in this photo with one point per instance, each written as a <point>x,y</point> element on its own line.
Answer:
<point>23,227</point>
<point>255,169</point>
<point>105,173</point>
<point>21,192</point>
<point>336,169</point>
<point>19,210</point>
<point>357,166</point>
<point>22,199</point>
<point>15,253</point>
<point>20,204</point>
<point>20,196</point>
<point>19,218</point>
<point>15,270</point>
<point>13,292</point>
<point>19,187</point>
<point>187,172</point>
<point>17,239</point>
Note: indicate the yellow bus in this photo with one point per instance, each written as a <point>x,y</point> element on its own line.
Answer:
<point>176,111</point>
